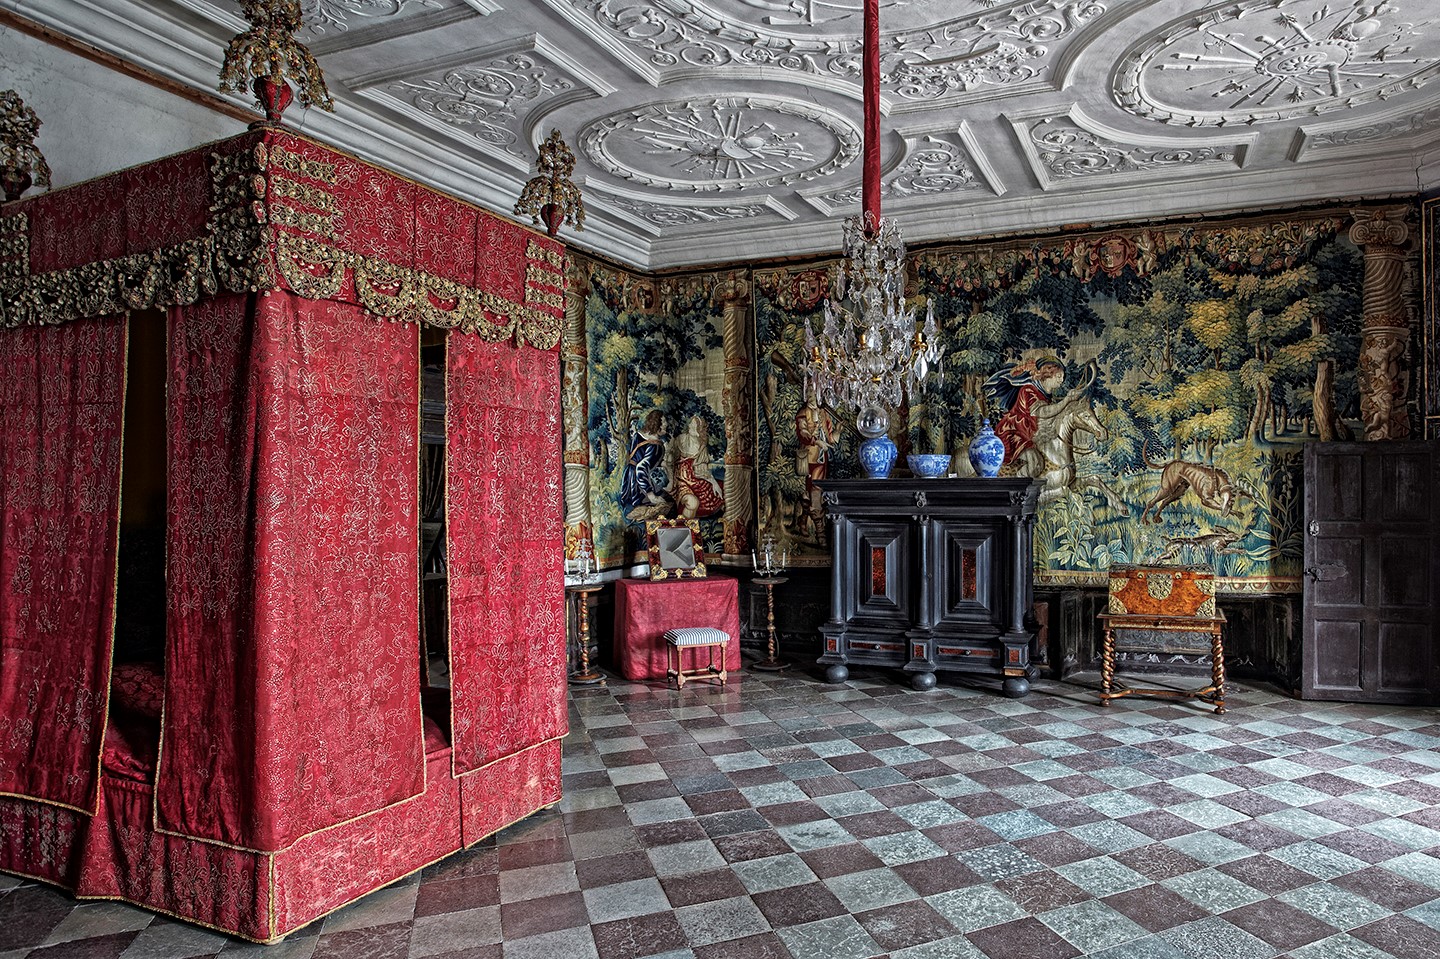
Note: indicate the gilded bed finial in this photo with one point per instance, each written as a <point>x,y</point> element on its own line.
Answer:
<point>22,165</point>
<point>551,195</point>
<point>267,55</point>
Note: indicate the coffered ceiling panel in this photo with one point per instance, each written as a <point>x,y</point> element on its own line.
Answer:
<point>715,130</point>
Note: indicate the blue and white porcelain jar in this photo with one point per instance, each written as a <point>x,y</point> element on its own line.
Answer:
<point>987,452</point>
<point>877,455</point>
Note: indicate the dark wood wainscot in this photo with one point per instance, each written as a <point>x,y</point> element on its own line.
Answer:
<point>931,575</point>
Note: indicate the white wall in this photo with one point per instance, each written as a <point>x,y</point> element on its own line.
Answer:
<point>95,120</point>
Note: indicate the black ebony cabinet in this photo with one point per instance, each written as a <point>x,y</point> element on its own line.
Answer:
<point>931,575</point>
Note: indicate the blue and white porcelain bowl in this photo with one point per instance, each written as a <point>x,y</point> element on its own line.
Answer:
<point>929,465</point>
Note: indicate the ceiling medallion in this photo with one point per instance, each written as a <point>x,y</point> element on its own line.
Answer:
<point>1256,61</point>
<point>721,143</point>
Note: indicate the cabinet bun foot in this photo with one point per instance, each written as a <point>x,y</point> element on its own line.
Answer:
<point>837,673</point>
<point>922,681</point>
<point>1015,686</point>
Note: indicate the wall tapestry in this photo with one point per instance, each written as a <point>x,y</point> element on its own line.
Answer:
<point>654,407</point>
<point>1160,383</point>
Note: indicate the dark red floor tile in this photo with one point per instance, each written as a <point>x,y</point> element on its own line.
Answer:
<point>1362,845</point>
<point>960,836</point>
<point>721,800</point>
<point>1386,888</point>
<point>705,886</point>
<point>904,925</point>
<point>27,916</point>
<point>868,825</point>
<point>745,846</point>
<point>797,905</point>
<point>793,813</point>
<point>546,914</point>
<point>1056,849</point>
<point>1398,935</point>
<point>620,867</point>
<point>1026,938</point>
<point>638,936</point>
<point>1279,924</point>
<point>390,941</point>
<point>930,877</point>
<point>1266,874</point>
<point>840,860</point>
<point>1154,907</point>
<point>437,897</point>
<point>1259,836</point>
<point>1158,861</point>
<point>1038,892</point>
<point>765,945</point>
<point>668,833</point>
<point>110,947</point>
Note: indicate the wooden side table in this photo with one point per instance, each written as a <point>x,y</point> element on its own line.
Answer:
<point>1184,626</point>
<point>586,676</point>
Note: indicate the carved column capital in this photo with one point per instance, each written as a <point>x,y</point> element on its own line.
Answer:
<point>1383,226</point>
<point>1382,235</point>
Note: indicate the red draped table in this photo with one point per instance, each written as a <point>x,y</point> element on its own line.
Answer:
<point>644,609</point>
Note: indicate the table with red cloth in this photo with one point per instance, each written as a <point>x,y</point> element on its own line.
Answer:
<point>644,609</point>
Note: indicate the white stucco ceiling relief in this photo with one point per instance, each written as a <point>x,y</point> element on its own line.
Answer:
<point>707,144</point>
<point>494,99</point>
<point>1067,148</point>
<point>929,48</point>
<point>1260,61</point>
<point>935,166</point>
<point>710,131</point>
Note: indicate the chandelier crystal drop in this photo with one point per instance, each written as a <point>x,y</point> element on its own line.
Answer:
<point>870,354</point>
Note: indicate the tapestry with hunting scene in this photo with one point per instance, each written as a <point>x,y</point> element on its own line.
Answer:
<point>1158,381</point>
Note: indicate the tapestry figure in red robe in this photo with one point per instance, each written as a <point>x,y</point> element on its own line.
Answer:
<point>1020,391</point>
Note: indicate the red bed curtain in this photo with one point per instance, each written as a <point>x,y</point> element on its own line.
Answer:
<point>62,400</point>
<point>292,702</point>
<point>503,521</point>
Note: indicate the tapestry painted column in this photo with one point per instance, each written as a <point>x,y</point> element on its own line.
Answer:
<point>575,406</point>
<point>732,292</point>
<point>1385,327</point>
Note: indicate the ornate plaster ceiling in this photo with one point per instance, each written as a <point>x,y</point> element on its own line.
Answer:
<point>714,130</point>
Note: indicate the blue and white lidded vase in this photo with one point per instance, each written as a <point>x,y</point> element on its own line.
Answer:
<point>987,452</point>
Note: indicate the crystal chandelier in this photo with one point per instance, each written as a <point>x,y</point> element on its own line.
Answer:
<point>870,354</point>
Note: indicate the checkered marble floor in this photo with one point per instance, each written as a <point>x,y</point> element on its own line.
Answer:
<point>781,817</point>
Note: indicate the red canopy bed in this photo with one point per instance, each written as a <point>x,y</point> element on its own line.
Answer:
<point>284,759</point>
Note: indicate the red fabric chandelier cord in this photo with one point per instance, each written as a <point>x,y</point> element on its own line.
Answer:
<point>870,64</point>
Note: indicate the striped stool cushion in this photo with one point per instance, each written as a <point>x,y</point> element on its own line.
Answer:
<point>696,636</point>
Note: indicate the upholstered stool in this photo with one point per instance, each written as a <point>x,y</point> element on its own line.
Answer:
<point>695,638</point>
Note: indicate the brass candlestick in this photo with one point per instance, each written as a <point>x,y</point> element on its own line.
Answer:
<point>586,676</point>
<point>770,663</point>
<point>769,564</point>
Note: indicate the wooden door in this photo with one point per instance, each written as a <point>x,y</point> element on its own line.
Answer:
<point>1372,572</point>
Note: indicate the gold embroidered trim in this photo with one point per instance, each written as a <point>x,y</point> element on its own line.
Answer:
<point>536,251</point>
<point>296,165</point>
<point>311,196</point>
<point>14,251</point>
<point>282,215</point>
<point>317,270</point>
<point>234,256</point>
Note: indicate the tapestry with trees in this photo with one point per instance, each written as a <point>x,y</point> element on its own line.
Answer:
<point>1158,381</point>
<point>657,434</point>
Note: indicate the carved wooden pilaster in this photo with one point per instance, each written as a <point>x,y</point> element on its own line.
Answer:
<point>732,292</point>
<point>1382,235</point>
<point>574,403</point>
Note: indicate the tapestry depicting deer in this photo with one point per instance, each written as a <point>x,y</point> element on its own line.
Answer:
<point>1159,382</point>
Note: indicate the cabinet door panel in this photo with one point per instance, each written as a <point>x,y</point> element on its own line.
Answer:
<point>883,579</point>
<point>967,571</point>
